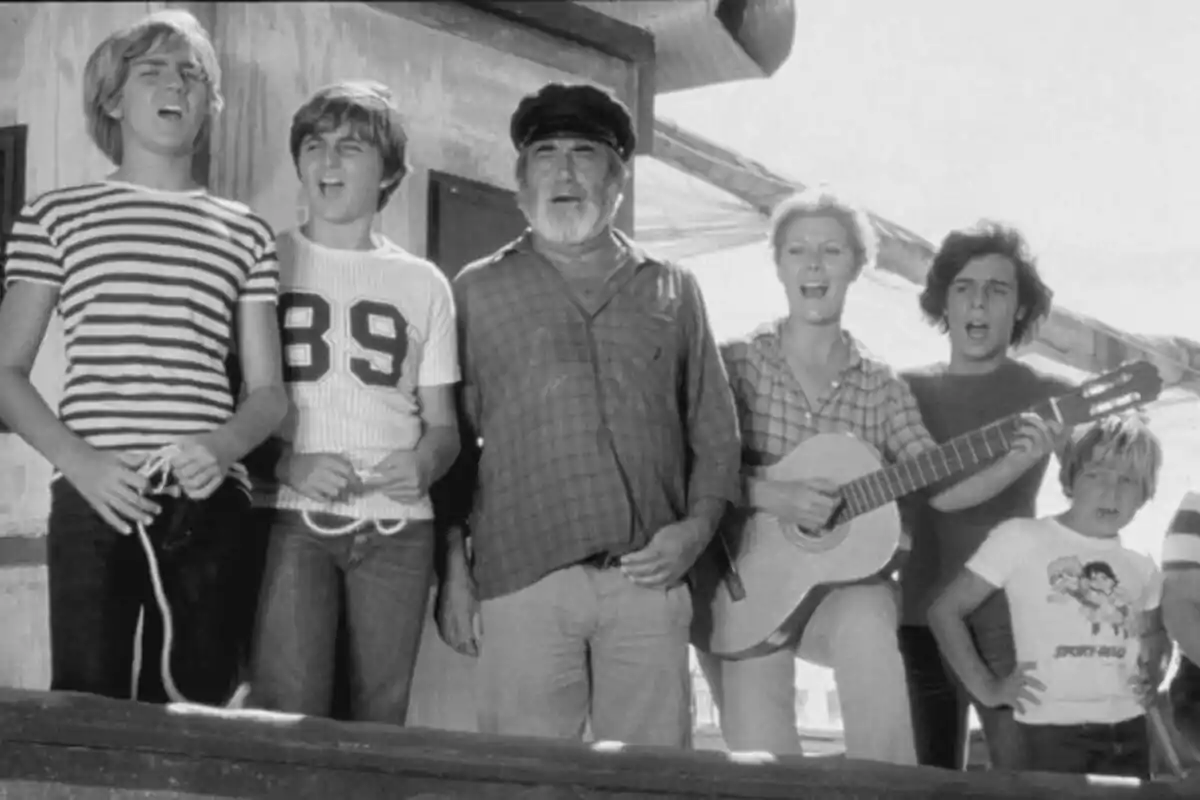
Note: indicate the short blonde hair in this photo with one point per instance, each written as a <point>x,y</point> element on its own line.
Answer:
<point>822,202</point>
<point>1125,439</point>
<point>107,71</point>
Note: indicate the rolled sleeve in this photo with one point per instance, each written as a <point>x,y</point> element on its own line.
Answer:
<point>712,422</point>
<point>454,495</point>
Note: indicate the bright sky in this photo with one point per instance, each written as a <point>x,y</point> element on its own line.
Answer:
<point>1076,120</point>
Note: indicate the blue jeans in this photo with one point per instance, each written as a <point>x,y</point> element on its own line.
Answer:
<point>99,583</point>
<point>940,704</point>
<point>380,585</point>
<point>1121,748</point>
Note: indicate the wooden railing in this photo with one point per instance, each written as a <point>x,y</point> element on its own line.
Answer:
<point>63,745</point>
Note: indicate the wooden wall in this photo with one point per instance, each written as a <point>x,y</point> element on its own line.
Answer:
<point>457,74</point>
<point>453,70</point>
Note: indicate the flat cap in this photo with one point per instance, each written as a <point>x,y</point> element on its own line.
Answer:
<point>580,111</point>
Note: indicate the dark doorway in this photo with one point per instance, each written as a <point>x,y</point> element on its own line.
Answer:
<point>12,190</point>
<point>468,220</point>
<point>12,184</point>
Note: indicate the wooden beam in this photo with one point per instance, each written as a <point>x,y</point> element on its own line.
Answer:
<point>576,23</point>
<point>55,743</point>
<point>1066,336</point>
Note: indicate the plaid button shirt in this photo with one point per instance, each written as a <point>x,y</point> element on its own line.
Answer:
<point>868,400</point>
<point>597,428</point>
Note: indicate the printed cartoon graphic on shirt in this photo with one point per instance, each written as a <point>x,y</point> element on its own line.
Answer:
<point>1094,586</point>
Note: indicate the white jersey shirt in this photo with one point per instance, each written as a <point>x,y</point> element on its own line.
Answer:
<point>362,331</point>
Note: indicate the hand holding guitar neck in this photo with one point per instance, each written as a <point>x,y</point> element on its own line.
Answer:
<point>1035,439</point>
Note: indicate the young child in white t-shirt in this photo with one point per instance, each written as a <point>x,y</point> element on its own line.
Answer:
<point>1085,610</point>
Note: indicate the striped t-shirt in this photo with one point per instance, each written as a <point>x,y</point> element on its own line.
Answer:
<point>148,285</point>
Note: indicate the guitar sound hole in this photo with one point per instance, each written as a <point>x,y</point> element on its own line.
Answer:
<point>825,539</point>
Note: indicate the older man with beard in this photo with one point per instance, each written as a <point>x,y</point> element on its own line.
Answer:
<point>609,449</point>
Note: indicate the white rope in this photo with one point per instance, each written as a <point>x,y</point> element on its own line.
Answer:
<point>158,469</point>
<point>354,524</point>
<point>158,466</point>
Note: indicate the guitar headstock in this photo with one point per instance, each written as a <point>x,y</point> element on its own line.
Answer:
<point>1126,387</point>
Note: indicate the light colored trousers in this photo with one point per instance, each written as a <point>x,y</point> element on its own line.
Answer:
<point>852,631</point>
<point>581,645</point>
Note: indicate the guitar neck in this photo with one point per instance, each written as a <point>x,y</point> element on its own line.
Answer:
<point>959,455</point>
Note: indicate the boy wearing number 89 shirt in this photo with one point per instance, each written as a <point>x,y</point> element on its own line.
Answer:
<point>370,362</point>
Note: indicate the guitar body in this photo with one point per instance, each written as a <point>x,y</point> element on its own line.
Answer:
<point>785,571</point>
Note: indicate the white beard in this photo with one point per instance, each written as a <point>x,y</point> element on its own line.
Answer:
<point>569,224</point>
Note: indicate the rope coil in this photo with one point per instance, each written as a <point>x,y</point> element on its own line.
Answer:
<point>355,523</point>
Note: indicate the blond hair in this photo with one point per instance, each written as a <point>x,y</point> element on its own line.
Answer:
<point>107,71</point>
<point>1124,440</point>
<point>821,202</point>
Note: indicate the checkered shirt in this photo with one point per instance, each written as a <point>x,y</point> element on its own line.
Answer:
<point>597,428</point>
<point>868,400</point>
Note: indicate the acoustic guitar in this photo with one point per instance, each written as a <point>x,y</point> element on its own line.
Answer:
<point>757,586</point>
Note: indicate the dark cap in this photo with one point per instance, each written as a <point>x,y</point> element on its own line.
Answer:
<point>577,111</point>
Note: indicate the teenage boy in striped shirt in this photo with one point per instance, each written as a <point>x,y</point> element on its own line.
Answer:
<point>151,276</point>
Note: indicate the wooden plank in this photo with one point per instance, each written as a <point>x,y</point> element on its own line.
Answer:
<point>502,33</point>
<point>77,740</point>
<point>555,35</point>
<point>576,23</point>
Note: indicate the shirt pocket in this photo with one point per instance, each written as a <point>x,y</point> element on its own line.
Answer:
<point>649,343</point>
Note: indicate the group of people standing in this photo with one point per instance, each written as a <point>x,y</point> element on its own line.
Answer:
<point>555,438</point>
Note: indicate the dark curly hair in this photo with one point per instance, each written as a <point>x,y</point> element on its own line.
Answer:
<point>987,238</point>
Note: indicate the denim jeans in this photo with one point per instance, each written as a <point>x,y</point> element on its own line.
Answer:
<point>940,704</point>
<point>99,583</point>
<point>379,584</point>
<point>1121,748</point>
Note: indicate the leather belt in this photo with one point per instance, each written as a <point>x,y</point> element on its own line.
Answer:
<point>601,560</point>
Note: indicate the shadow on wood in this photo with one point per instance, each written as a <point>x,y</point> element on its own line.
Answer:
<point>68,745</point>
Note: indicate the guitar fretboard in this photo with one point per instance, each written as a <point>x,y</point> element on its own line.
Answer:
<point>956,456</point>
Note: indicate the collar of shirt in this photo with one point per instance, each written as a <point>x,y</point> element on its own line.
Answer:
<point>770,340</point>
<point>637,256</point>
